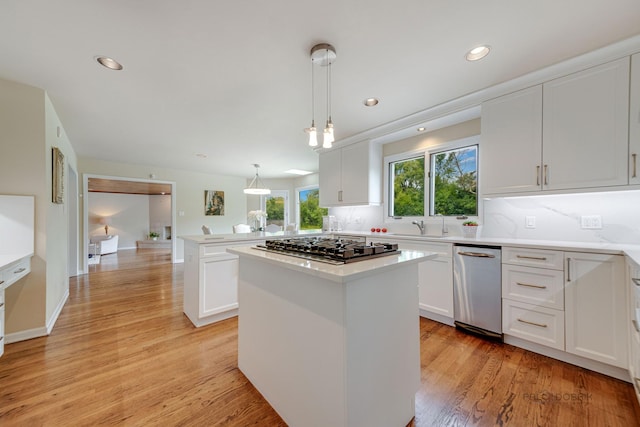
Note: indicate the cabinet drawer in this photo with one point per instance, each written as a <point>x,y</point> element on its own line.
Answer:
<point>533,257</point>
<point>539,286</point>
<point>533,323</point>
<point>16,271</point>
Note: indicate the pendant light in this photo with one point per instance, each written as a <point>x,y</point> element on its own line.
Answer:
<point>322,54</point>
<point>257,186</point>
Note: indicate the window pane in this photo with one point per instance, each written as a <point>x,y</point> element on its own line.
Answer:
<point>407,187</point>
<point>454,182</point>
<point>275,210</point>
<point>310,211</point>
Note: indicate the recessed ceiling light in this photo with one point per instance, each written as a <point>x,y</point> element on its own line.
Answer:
<point>298,172</point>
<point>478,53</point>
<point>421,129</point>
<point>109,63</point>
<point>370,102</point>
<point>203,156</point>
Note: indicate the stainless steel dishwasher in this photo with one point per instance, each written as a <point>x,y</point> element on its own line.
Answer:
<point>477,290</point>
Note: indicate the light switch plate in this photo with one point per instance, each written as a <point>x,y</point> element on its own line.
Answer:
<point>591,222</point>
<point>529,222</point>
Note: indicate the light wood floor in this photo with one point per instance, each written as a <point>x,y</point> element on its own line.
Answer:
<point>122,353</point>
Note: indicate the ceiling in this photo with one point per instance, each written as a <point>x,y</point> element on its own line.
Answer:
<point>215,86</point>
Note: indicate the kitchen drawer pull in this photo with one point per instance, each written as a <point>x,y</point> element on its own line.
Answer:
<point>537,258</point>
<point>531,286</point>
<point>1,338</point>
<point>542,325</point>
<point>635,325</point>
<point>477,254</point>
<point>1,304</point>
<point>1,282</point>
<point>20,270</point>
<point>636,281</point>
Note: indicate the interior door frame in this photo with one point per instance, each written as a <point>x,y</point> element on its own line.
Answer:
<point>85,212</point>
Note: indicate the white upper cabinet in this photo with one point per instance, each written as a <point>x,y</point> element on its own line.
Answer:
<point>569,133</point>
<point>511,142</point>
<point>351,176</point>
<point>585,128</point>
<point>634,122</point>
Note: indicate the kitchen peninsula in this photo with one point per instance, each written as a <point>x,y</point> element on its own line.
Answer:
<point>331,345</point>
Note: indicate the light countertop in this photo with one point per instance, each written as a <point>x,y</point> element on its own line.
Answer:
<point>336,273</point>
<point>241,237</point>
<point>6,259</point>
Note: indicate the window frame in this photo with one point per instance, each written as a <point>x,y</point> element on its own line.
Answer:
<point>277,193</point>
<point>427,152</point>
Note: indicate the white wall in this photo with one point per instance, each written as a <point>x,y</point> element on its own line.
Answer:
<point>128,213</point>
<point>558,217</point>
<point>159,214</point>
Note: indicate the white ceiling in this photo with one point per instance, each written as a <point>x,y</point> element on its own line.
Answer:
<point>231,79</point>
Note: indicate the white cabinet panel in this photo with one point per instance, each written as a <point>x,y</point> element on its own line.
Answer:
<point>351,176</point>
<point>219,284</point>
<point>634,121</point>
<point>543,258</point>
<point>534,323</point>
<point>511,142</point>
<point>539,286</point>
<point>585,128</point>
<point>596,307</point>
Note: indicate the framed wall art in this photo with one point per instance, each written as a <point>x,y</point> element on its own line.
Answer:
<point>213,202</point>
<point>57,187</point>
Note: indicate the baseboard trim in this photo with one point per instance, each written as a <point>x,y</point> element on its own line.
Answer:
<point>54,317</point>
<point>592,365</point>
<point>437,317</point>
<point>41,331</point>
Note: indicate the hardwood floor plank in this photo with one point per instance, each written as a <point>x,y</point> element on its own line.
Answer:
<point>123,353</point>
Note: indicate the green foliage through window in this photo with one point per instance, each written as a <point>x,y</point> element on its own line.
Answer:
<point>275,208</point>
<point>408,187</point>
<point>310,211</point>
<point>454,182</point>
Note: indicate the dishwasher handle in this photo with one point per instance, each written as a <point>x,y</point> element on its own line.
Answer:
<point>477,254</point>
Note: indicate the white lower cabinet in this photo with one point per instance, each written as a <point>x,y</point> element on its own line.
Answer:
<point>435,277</point>
<point>533,323</point>
<point>1,314</point>
<point>596,307</point>
<point>533,295</point>
<point>211,281</point>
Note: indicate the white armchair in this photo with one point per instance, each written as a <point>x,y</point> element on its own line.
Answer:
<point>241,228</point>
<point>105,244</point>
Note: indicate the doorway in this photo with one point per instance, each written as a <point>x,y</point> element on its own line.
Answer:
<point>122,185</point>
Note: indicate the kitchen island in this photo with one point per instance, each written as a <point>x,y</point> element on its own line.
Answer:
<point>331,345</point>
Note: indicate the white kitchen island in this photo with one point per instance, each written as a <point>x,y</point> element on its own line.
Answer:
<point>331,345</point>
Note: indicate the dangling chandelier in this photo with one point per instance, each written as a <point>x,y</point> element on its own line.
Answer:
<point>257,186</point>
<point>322,54</point>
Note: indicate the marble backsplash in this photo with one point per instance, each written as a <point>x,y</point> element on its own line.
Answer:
<point>558,217</point>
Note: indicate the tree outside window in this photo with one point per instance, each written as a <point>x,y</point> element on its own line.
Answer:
<point>408,187</point>
<point>310,211</point>
<point>454,182</point>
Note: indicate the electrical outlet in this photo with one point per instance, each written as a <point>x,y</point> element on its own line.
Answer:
<point>529,222</point>
<point>591,222</point>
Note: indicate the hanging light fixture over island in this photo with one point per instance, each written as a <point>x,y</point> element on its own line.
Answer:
<point>322,54</point>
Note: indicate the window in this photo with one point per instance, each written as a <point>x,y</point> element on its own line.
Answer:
<point>437,182</point>
<point>454,182</point>
<point>407,187</point>
<point>309,211</point>
<point>276,205</point>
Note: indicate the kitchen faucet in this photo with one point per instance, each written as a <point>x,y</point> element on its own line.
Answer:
<point>445,230</point>
<point>421,226</point>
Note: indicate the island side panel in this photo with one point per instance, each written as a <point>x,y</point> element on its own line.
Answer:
<point>291,342</point>
<point>383,347</point>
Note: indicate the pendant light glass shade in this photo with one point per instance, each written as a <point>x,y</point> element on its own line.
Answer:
<point>322,54</point>
<point>257,186</point>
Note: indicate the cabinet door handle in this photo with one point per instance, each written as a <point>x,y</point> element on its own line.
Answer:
<point>340,195</point>
<point>568,269</point>
<point>542,325</point>
<point>529,285</point>
<point>20,270</point>
<point>634,156</point>
<point>636,281</point>
<point>537,258</point>
<point>546,175</point>
<point>538,175</point>
<point>1,304</point>
<point>1,282</point>
<point>635,325</point>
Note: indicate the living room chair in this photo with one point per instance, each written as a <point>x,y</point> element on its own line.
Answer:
<point>241,228</point>
<point>206,230</point>
<point>105,244</point>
